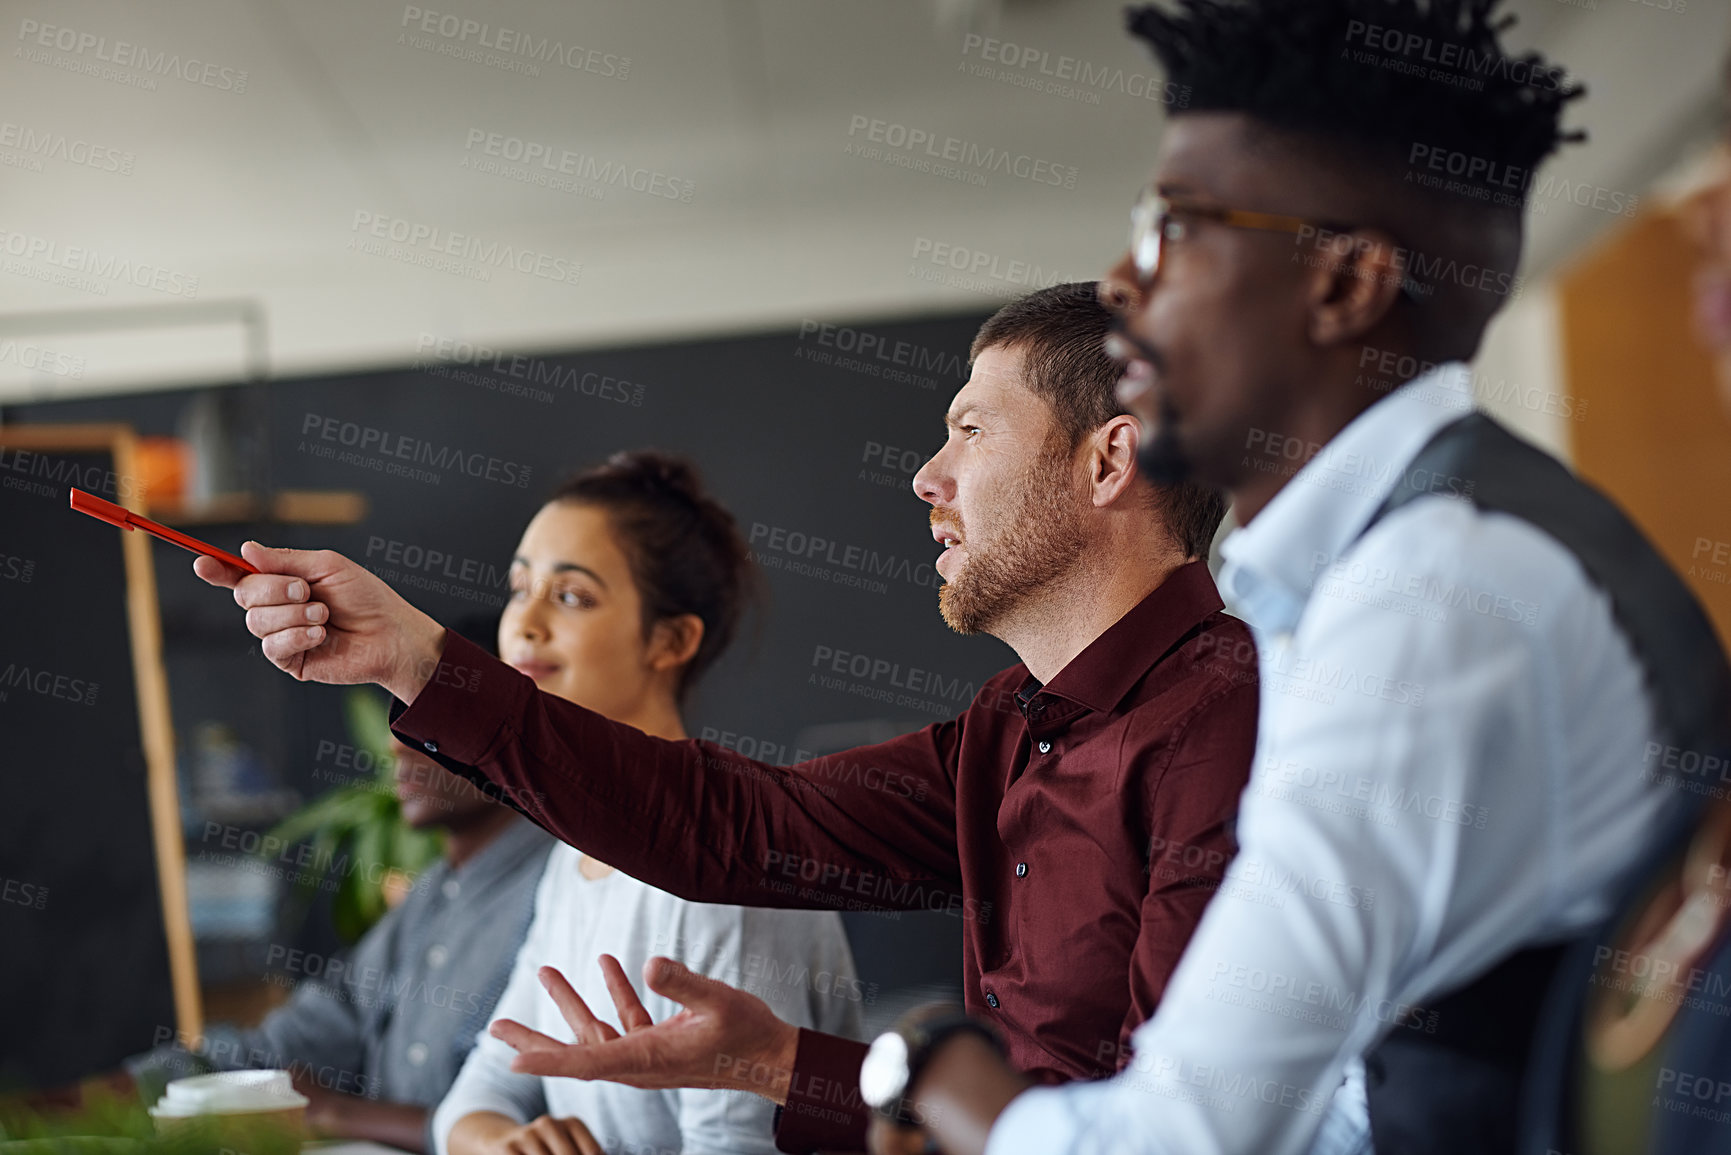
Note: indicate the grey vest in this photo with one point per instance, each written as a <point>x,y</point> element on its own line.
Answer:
<point>1459,1090</point>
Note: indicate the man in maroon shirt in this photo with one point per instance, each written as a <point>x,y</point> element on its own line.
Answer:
<point>1077,815</point>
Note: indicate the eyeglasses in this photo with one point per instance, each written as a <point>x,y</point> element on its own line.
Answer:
<point>1156,219</point>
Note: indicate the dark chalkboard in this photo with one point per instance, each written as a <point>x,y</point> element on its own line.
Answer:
<point>809,433</point>
<point>96,957</point>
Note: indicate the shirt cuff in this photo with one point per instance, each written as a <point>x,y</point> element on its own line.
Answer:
<point>470,698</point>
<point>824,1110</point>
<point>1036,1120</point>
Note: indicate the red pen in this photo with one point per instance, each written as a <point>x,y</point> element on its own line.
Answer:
<point>126,519</point>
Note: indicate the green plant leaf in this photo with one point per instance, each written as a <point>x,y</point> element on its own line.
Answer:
<point>342,806</point>
<point>367,877</point>
<point>369,717</point>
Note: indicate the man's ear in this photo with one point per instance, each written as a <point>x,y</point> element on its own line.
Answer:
<point>1352,288</point>
<point>1112,458</point>
<point>674,641</point>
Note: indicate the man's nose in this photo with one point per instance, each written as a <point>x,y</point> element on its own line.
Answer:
<point>931,483</point>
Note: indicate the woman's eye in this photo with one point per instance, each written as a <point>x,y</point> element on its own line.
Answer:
<point>575,599</point>
<point>1175,230</point>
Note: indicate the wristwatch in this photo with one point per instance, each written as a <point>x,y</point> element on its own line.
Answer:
<point>896,1058</point>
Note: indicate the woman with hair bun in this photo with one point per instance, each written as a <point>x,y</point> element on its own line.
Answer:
<point>626,586</point>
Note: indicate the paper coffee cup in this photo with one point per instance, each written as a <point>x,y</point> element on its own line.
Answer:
<point>246,1112</point>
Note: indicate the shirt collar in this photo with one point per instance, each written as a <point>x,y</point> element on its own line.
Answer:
<point>1269,565</point>
<point>1103,673</point>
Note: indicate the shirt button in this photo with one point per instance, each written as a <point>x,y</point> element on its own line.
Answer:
<point>430,746</point>
<point>1021,870</point>
<point>436,956</point>
<point>991,1000</point>
<point>452,888</point>
<point>417,1054</point>
<point>1045,747</point>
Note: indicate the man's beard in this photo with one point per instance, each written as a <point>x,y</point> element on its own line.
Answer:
<point>1161,459</point>
<point>1037,544</point>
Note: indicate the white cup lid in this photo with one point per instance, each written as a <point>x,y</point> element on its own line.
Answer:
<point>228,1091</point>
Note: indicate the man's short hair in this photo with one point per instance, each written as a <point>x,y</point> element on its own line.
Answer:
<point>1381,77</point>
<point>1061,333</point>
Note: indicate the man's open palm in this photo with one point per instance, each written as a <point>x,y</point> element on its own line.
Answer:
<point>723,1037</point>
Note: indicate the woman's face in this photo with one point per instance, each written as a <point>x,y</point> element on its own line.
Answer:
<point>574,620</point>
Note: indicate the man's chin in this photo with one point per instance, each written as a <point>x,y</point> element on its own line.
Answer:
<point>947,608</point>
<point>1164,464</point>
<point>957,614</point>
<point>1162,458</point>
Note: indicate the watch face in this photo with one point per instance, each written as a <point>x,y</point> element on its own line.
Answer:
<point>884,1074</point>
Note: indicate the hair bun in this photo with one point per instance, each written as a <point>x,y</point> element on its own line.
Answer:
<point>661,474</point>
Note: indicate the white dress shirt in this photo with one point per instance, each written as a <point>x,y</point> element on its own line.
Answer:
<point>1448,769</point>
<point>797,961</point>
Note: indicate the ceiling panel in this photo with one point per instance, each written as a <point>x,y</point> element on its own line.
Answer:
<point>519,128</point>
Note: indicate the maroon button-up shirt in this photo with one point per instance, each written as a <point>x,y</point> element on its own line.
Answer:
<point>1078,828</point>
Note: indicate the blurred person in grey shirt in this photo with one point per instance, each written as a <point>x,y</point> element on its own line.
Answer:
<point>376,1036</point>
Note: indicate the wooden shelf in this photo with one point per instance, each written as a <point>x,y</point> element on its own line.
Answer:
<point>288,506</point>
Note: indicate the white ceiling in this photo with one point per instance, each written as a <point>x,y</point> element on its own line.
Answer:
<point>256,193</point>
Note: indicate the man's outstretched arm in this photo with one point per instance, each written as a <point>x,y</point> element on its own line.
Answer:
<point>872,828</point>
